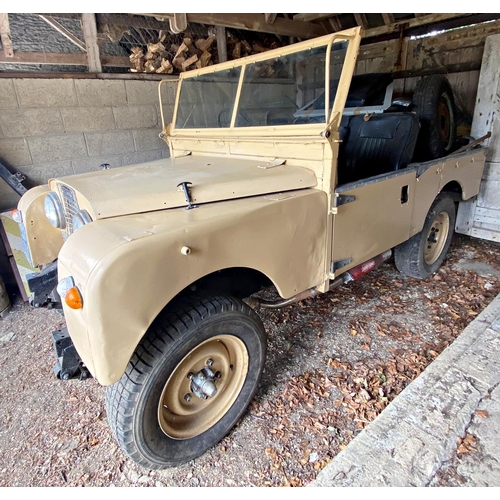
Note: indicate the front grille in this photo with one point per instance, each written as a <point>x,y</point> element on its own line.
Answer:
<point>71,207</point>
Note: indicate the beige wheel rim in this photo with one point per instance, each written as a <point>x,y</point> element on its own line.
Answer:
<point>187,405</point>
<point>436,238</point>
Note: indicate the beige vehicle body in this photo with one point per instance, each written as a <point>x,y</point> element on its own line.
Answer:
<point>267,199</point>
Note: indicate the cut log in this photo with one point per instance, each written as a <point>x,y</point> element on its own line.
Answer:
<point>183,48</point>
<point>257,48</point>
<point>189,61</point>
<point>153,65</point>
<point>165,67</point>
<point>236,53</point>
<point>246,47</point>
<point>156,48</point>
<point>177,61</point>
<point>204,45</point>
<point>203,60</point>
<point>137,58</point>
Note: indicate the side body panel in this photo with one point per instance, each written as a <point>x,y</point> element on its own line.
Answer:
<point>377,219</point>
<point>465,169</point>
<point>389,209</point>
<point>129,268</point>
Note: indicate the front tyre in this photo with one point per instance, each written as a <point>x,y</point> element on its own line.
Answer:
<point>423,253</point>
<point>189,381</point>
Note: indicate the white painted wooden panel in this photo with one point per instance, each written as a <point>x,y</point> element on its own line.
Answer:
<point>481,217</point>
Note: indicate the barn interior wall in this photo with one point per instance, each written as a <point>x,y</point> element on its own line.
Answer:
<point>456,53</point>
<point>57,127</point>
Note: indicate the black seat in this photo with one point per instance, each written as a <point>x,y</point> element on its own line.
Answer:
<point>384,143</point>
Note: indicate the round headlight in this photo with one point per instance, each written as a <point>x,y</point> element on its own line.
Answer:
<point>80,219</point>
<point>54,210</point>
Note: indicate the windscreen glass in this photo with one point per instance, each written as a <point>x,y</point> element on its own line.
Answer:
<point>313,109</point>
<point>207,101</point>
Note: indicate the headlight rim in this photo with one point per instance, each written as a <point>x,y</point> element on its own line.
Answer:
<point>82,217</point>
<point>60,221</point>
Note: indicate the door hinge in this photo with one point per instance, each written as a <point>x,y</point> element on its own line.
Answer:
<point>342,199</point>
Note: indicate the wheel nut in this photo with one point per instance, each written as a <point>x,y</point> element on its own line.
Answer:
<point>210,362</point>
<point>187,397</point>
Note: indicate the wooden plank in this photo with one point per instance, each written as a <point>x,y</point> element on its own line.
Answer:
<point>255,22</point>
<point>486,222</point>
<point>388,18</point>
<point>62,58</point>
<point>492,171</point>
<point>335,23</point>
<point>270,18</point>
<point>8,50</point>
<point>409,23</point>
<point>221,37</point>
<point>487,109</point>
<point>438,69</point>
<point>63,31</point>
<point>312,17</point>
<point>90,33</point>
<point>88,76</point>
<point>361,20</point>
<point>488,212</point>
<point>485,234</point>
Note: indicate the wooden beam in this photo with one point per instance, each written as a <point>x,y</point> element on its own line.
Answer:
<point>335,23</point>
<point>87,76</point>
<point>221,37</point>
<point>311,17</point>
<point>8,50</point>
<point>443,70</point>
<point>62,58</point>
<point>90,34</point>
<point>65,32</point>
<point>254,22</point>
<point>388,18</point>
<point>270,18</point>
<point>409,23</point>
<point>361,20</point>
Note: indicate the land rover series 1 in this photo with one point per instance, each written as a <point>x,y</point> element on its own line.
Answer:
<point>285,170</point>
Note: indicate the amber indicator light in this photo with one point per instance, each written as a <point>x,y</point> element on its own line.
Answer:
<point>74,298</point>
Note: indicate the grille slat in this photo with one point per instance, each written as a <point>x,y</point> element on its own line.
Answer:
<point>71,207</point>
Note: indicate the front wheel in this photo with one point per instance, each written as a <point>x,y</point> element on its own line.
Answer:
<point>190,380</point>
<point>424,252</point>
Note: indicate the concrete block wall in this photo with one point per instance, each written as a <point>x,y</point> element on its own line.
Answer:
<point>57,127</point>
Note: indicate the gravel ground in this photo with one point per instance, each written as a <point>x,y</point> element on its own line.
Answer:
<point>333,364</point>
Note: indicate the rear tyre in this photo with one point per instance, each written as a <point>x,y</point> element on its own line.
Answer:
<point>423,253</point>
<point>189,381</point>
<point>435,107</point>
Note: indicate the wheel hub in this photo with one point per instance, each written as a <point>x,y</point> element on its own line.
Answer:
<point>203,383</point>
<point>436,238</point>
<point>203,386</point>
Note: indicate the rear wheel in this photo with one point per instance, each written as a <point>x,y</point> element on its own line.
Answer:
<point>191,378</point>
<point>423,253</point>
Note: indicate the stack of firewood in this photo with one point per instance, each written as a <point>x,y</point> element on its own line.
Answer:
<point>169,58</point>
<point>165,58</point>
<point>237,48</point>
